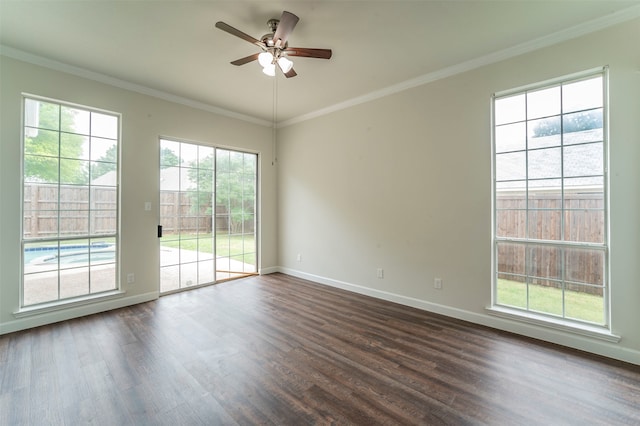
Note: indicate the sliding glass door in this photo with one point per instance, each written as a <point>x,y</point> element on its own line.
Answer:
<point>207,214</point>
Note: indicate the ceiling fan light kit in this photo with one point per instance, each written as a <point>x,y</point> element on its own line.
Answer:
<point>275,46</point>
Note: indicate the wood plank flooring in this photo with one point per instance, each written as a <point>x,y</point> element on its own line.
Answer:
<point>284,351</point>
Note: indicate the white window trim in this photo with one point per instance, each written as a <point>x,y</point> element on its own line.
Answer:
<point>67,303</point>
<point>604,331</point>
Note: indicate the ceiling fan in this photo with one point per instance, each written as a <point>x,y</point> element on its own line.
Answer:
<point>275,47</point>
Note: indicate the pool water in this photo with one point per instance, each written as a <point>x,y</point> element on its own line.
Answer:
<point>70,254</point>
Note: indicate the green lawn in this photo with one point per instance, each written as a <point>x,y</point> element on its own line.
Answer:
<point>578,305</point>
<point>226,245</point>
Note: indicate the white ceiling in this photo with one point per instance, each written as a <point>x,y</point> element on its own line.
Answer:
<point>172,48</point>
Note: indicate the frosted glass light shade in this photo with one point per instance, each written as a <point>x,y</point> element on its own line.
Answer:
<point>285,64</point>
<point>269,70</point>
<point>265,58</point>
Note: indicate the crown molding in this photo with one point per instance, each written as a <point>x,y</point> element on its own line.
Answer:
<point>588,27</point>
<point>123,84</point>
<point>585,28</point>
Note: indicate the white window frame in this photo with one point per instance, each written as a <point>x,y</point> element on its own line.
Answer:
<point>525,314</point>
<point>91,296</point>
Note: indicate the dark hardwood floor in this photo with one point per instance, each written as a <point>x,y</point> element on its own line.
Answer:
<point>280,350</point>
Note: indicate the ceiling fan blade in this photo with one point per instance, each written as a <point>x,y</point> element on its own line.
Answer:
<point>287,22</point>
<point>246,59</point>
<point>309,53</point>
<point>288,74</point>
<point>236,32</point>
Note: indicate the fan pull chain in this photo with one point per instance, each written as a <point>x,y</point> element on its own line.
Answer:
<point>274,159</point>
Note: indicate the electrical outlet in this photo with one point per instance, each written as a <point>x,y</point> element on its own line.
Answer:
<point>131,278</point>
<point>299,258</point>
<point>380,273</point>
<point>437,283</point>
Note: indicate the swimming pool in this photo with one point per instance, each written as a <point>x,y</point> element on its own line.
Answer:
<point>70,254</point>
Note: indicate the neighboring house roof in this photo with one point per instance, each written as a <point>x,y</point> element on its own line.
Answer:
<point>169,179</point>
<point>582,158</point>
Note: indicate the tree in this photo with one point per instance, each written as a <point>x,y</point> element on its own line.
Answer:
<point>42,146</point>
<point>168,158</point>
<point>235,188</point>
<point>106,163</point>
<point>576,122</point>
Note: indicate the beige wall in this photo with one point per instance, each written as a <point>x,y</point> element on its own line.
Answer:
<point>347,183</point>
<point>403,183</point>
<point>144,120</point>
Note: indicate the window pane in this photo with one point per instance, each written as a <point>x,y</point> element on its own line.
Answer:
<point>585,303</point>
<point>511,259</point>
<point>584,266</point>
<point>102,251</point>
<point>42,115</point>
<point>74,222</point>
<point>544,133</point>
<point>582,127</point>
<point>41,169</point>
<point>103,278</point>
<point>188,179</point>
<point>583,160</point>
<point>104,126</point>
<point>543,103</point>
<point>75,120</point>
<point>170,278</point>
<point>545,163</point>
<point>511,223</point>
<point>205,157</point>
<point>581,95</point>
<point>584,226</point>
<point>592,184</point>
<point>188,274</point>
<point>546,296</point>
<point>545,197</point>
<point>170,179</point>
<point>169,153</point>
<point>74,172</point>
<point>45,142</point>
<point>511,166</point>
<point>205,247</point>
<point>511,291</point>
<point>40,287</point>
<point>74,146</point>
<point>511,199</point>
<point>74,282</point>
<point>250,162</point>
<point>104,150</point>
<point>544,262</point>
<point>510,109</point>
<point>188,155</point>
<point>40,257</point>
<point>103,222</point>
<point>545,224</point>
<point>511,137</point>
<point>104,174</point>
<point>507,186</point>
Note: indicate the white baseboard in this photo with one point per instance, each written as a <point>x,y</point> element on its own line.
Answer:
<point>564,338</point>
<point>269,270</point>
<point>45,318</point>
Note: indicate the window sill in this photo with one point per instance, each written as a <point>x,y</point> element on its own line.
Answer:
<point>553,323</point>
<point>67,304</point>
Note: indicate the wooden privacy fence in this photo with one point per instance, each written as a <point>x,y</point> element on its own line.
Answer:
<point>179,214</point>
<point>67,210</point>
<point>583,222</point>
